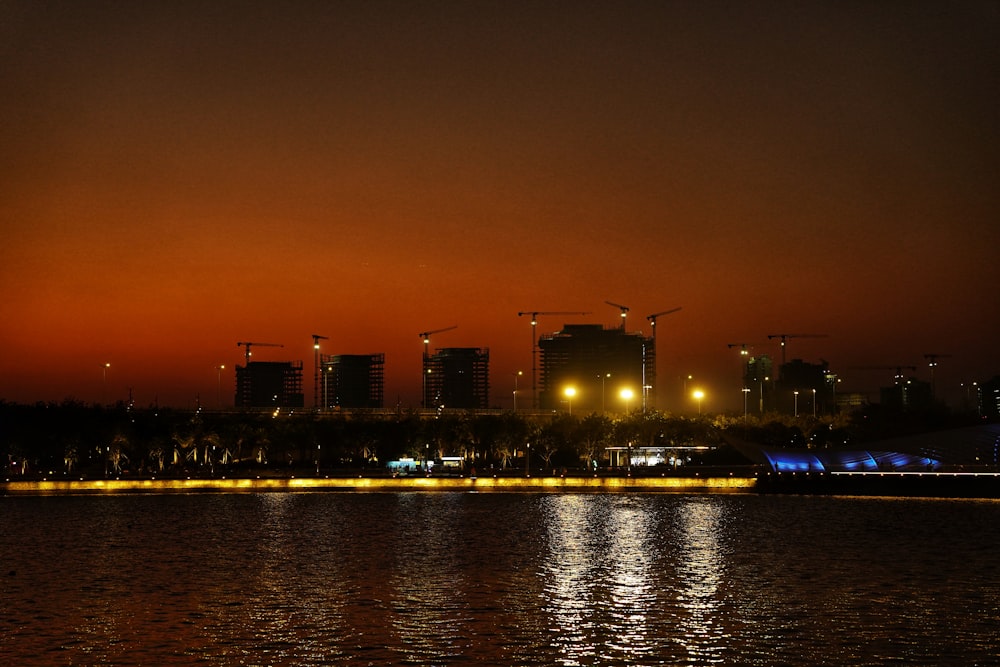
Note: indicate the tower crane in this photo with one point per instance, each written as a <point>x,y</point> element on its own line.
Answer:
<point>248,345</point>
<point>317,370</point>
<point>652,325</point>
<point>932,358</point>
<point>785,337</point>
<point>426,335</point>
<point>534,344</point>
<point>623,309</point>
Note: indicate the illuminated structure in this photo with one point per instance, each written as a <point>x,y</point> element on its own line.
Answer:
<point>353,381</point>
<point>598,363</point>
<point>269,384</point>
<point>457,377</point>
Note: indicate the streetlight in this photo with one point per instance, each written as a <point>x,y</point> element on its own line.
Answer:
<point>796,392</point>
<point>814,404</point>
<point>104,381</point>
<point>746,390</point>
<point>603,378</point>
<point>527,459</point>
<point>219,369</point>
<point>569,392</point>
<point>698,394</point>
<point>516,376</point>
<point>626,395</point>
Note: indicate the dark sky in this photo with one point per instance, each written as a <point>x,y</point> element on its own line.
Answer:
<point>179,176</point>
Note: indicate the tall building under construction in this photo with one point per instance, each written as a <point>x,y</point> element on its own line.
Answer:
<point>596,364</point>
<point>353,381</point>
<point>457,377</point>
<point>269,384</point>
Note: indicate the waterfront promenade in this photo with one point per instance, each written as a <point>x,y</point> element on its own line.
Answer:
<point>719,483</point>
<point>951,484</point>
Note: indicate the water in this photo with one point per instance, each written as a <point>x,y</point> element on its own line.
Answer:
<point>498,579</point>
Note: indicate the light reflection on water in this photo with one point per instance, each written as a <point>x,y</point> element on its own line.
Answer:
<point>436,579</point>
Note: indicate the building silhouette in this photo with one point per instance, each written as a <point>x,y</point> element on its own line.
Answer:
<point>353,381</point>
<point>597,364</point>
<point>457,377</point>
<point>269,384</point>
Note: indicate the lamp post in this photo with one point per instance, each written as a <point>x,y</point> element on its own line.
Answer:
<point>326,387</point>
<point>796,392</point>
<point>698,394</point>
<point>814,404</point>
<point>626,395</point>
<point>569,393</point>
<point>516,376</point>
<point>746,391</point>
<point>527,459</point>
<point>104,382</point>
<point>603,378</point>
<point>219,369</point>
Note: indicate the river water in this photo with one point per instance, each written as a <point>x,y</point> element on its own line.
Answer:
<point>498,579</point>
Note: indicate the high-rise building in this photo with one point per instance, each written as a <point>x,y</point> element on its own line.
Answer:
<point>269,384</point>
<point>457,377</point>
<point>597,365</point>
<point>353,381</point>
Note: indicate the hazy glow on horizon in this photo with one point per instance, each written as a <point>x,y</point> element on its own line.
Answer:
<point>178,178</point>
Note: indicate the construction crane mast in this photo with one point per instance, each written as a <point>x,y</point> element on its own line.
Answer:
<point>534,345</point>
<point>317,369</point>
<point>652,325</point>
<point>784,338</point>
<point>248,345</point>
<point>623,309</point>
<point>932,363</point>
<point>426,336</point>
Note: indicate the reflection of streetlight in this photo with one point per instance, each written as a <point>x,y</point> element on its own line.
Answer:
<point>698,394</point>
<point>626,395</point>
<point>569,392</point>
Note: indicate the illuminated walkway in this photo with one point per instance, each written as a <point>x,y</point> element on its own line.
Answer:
<point>721,484</point>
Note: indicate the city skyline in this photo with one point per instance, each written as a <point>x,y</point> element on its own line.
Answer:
<point>178,178</point>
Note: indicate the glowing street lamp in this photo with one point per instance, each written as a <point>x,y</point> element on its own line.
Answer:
<point>219,369</point>
<point>626,395</point>
<point>796,392</point>
<point>516,376</point>
<point>104,381</point>
<point>698,394</point>
<point>569,393</point>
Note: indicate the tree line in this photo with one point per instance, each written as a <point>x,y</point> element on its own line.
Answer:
<point>73,438</point>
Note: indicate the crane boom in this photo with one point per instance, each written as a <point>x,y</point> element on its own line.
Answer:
<point>624,311</point>
<point>427,334</point>
<point>652,318</point>
<point>248,345</point>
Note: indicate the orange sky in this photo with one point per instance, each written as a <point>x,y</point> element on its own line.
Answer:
<point>176,178</point>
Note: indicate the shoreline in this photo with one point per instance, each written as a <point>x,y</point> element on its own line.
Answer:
<point>982,485</point>
<point>499,484</point>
